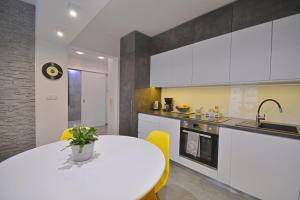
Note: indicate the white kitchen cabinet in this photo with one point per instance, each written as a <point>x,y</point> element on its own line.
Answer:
<point>148,123</point>
<point>145,127</point>
<point>224,156</point>
<point>181,64</point>
<point>171,126</point>
<point>211,61</point>
<point>265,166</point>
<point>251,54</point>
<point>172,68</point>
<point>160,70</point>
<point>286,48</point>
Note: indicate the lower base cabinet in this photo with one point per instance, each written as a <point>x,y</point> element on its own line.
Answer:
<point>148,123</point>
<point>263,166</point>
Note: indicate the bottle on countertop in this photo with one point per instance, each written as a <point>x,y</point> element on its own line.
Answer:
<point>214,112</point>
<point>199,111</point>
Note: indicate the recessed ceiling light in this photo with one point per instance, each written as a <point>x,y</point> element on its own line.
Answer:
<point>79,52</point>
<point>73,13</point>
<point>60,34</point>
<point>101,57</point>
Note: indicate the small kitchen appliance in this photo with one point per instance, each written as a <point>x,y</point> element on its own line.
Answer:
<point>156,105</point>
<point>168,104</point>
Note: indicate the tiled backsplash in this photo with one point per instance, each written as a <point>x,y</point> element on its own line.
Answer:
<point>242,101</point>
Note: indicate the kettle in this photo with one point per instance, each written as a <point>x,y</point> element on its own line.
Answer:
<point>156,105</point>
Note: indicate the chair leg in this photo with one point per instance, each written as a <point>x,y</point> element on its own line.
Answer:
<point>150,196</point>
<point>157,196</point>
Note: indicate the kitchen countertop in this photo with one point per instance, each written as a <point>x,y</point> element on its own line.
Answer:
<point>227,123</point>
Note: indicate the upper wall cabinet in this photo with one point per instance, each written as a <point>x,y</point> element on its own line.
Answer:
<point>251,54</point>
<point>286,48</point>
<point>160,67</point>
<point>211,61</point>
<point>267,52</point>
<point>172,68</point>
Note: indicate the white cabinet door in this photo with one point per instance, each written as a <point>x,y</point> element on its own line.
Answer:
<point>181,63</point>
<point>146,127</point>
<point>286,48</point>
<point>251,54</point>
<point>211,61</point>
<point>172,68</point>
<point>160,70</point>
<point>224,155</point>
<point>265,166</point>
<point>146,124</point>
<point>172,126</point>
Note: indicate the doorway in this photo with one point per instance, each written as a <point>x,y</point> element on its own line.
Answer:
<point>87,99</point>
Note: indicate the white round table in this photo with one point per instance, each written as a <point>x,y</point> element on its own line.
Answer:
<point>123,168</point>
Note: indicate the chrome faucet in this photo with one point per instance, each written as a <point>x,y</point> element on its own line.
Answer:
<point>259,117</point>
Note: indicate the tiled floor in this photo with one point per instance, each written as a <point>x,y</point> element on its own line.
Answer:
<point>185,184</point>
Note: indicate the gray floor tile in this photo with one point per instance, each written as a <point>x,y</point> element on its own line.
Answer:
<point>185,184</point>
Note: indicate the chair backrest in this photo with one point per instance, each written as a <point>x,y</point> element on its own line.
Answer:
<point>162,140</point>
<point>66,135</point>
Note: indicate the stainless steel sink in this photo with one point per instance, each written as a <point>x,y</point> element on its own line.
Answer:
<point>279,127</point>
<point>270,126</point>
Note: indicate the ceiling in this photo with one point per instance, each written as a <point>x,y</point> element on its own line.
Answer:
<point>88,55</point>
<point>150,17</point>
<point>53,15</point>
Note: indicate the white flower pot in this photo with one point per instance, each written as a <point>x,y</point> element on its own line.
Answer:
<point>87,152</point>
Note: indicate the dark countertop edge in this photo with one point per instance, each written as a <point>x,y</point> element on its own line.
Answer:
<point>232,126</point>
<point>262,131</point>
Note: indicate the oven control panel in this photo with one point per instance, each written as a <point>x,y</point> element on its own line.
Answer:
<point>200,126</point>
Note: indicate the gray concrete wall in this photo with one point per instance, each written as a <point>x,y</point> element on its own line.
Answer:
<point>17,96</point>
<point>232,17</point>
<point>135,94</point>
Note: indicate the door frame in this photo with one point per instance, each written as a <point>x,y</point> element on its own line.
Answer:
<point>112,93</point>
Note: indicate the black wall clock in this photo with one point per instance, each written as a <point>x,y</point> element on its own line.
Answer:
<point>52,71</point>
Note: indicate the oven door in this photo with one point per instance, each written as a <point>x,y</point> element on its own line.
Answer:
<point>199,146</point>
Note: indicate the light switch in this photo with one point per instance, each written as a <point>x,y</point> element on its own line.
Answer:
<point>51,97</point>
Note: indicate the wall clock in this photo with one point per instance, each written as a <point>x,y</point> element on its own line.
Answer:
<point>52,71</point>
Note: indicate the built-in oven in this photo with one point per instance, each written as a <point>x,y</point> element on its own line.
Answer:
<point>199,142</point>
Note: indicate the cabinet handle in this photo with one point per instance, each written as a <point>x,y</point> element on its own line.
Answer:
<point>202,135</point>
<point>299,194</point>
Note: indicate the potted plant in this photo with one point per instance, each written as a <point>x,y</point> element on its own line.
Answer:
<point>82,142</point>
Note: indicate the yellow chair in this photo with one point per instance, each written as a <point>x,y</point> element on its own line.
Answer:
<point>66,135</point>
<point>162,141</point>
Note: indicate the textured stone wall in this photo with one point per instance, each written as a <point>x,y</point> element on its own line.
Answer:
<point>17,96</point>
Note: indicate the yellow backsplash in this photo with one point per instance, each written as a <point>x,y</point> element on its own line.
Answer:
<point>242,101</point>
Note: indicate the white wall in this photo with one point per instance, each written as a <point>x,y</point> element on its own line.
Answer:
<point>51,115</point>
<point>113,96</point>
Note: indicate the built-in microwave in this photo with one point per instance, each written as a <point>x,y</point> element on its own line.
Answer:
<point>199,142</point>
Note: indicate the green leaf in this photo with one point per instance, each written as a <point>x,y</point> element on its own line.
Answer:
<point>83,135</point>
